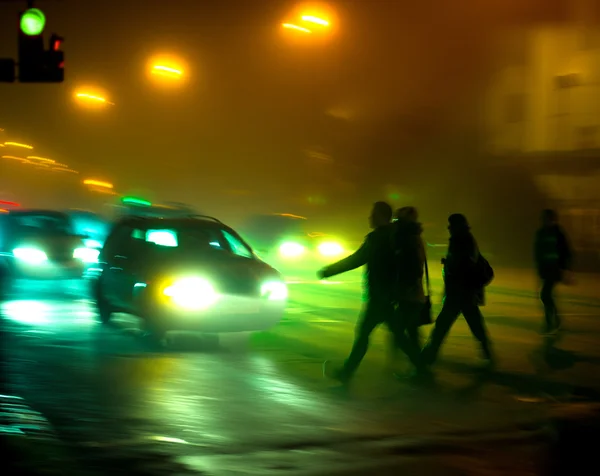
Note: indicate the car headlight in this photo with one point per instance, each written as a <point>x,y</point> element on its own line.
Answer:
<point>291,249</point>
<point>330,248</point>
<point>192,293</point>
<point>30,255</point>
<point>87,255</point>
<point>274,291</point>
<point>92,243</point>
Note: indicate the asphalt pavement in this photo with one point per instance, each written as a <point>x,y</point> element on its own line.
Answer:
<point>259,404</point>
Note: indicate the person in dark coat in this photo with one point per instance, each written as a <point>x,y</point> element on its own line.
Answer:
<point>410,256</point>
<point>379,292</point>
<point>461,295</point>
<point>553,258</point>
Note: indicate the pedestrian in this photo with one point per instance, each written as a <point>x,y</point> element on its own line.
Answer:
<point>553,259</point>
<point>377,254</point>
<point>410,261</point>
<point>464,290</point>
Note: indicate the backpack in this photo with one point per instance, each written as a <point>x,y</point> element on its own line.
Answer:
<point>483,273</point>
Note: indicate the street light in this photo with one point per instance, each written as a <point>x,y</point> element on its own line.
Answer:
<point>41,159</point>
<point>98,183</point>
<point>291,26</point>
<point>18,144</point>
<point>315,20</point>
<point>166,71</point>
<point>93,99</point>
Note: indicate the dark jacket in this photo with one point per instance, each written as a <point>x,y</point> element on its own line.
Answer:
<point>552,252</point>
<point>410,260</point>
<point>459,265</point>
<point>376,252</point>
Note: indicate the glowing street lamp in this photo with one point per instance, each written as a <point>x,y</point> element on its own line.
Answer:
<point>168,71</point>
<point>98,183</point>
<point>41,159</point>
<point>315,20</point>
<point>291,26</point>
<point>92,98</point>
<point>18,144</point>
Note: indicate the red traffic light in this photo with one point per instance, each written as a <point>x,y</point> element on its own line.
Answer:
<point>56,42</point>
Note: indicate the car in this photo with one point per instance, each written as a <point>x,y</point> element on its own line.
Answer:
<point>186,274</point>
<point>42,244</point>
<point>288,242</point>
<point>91,225</point>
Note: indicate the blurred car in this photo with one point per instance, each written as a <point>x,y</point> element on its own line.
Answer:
<point>287,242</point>
<point>42,244</point>
<point>91,225</point>
<point>192,273</point>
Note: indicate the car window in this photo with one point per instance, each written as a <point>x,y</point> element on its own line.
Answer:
<point>237,246</point>
<point>166,238</point>
<point>52,223</point>
<point>185,238</point>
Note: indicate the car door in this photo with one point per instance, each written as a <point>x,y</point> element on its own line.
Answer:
<point>114,260</point>
<point>130,265</point>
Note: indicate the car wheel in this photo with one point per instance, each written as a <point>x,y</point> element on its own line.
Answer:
<point>102,304</point>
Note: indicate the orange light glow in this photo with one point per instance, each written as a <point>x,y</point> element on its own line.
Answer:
<point>166,70</point>
<point>41,159</point>
<point>291,26</point>
<point>98,183</point>
<point>18,144</point>
<point>89,97</point>
<point>3,210</point>
<point>315,20</point>
<point>14,157</point>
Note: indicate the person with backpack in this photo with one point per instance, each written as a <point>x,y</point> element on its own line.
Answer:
<point>466,273</point>
<point>553,257</point>
<point>380,277</point>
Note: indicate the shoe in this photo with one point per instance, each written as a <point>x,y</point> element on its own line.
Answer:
<point>340,376</point>
<point>335,374</point>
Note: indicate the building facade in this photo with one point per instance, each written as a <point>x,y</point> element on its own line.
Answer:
<point>543,110</point>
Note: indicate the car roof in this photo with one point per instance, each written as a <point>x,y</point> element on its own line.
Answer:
<point>160,222</point>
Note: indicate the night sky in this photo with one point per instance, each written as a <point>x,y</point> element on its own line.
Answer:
<point>257,97</point>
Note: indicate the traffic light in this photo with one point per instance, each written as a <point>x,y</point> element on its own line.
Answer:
<point>37,65</point>
<point>32,22</point>
<point>55,60</point>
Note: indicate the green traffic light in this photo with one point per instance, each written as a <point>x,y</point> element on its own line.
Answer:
<point>136,201</point>
<point>33,22</point>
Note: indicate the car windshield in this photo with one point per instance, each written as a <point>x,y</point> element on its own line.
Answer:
<point>196,238</point>
<point>54,223</point>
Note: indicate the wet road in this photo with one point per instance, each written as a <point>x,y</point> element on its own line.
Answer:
<point>102,387</point>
